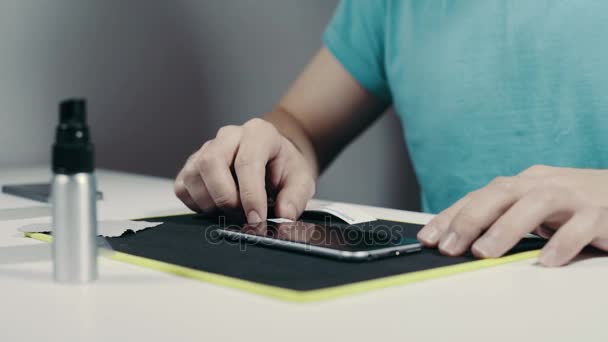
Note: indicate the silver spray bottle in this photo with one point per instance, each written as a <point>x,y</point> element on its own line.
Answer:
<point>74,197</point>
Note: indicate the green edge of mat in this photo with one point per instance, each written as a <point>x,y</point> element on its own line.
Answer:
<point>311,295</point>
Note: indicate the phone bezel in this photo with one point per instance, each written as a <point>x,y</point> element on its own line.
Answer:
<point>323,251</point>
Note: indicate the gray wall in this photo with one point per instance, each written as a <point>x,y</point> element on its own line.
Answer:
<point>162,76</point>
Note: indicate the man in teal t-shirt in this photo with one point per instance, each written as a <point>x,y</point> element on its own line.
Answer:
<point>484,88</point>
<point>488,92</point>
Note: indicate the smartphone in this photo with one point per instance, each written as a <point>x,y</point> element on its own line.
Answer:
<point>340,242</point>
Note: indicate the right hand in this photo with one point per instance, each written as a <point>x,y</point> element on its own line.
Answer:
<point>233,172</point>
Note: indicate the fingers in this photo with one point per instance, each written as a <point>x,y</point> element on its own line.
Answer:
<point>495,218</point>
<point>232,171</point>
<point>584,227</point>
<point>293,180</point>
<point>198,192</point>
<point>485,207</point>
<point>534,208</point>
<point>206,183</point>
<point>297,190</point>
<point>182,193</point>
<point>260,143</point>
<point>190,189</point>
<point>470,220</point>
<point>430,234</point>
<point>213,166</point>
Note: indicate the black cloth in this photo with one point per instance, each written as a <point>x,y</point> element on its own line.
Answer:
<point>189,241</point>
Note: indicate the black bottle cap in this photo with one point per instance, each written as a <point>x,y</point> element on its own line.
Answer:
<point>73,150</point>
<point>73,111</point>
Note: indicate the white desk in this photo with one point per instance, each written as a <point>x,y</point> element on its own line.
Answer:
<point>514,302</point>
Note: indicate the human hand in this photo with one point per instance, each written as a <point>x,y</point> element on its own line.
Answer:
<point>568,206</point>
<point>233,172</point>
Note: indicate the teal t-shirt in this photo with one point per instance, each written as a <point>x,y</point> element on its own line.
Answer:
<point>484,88</point>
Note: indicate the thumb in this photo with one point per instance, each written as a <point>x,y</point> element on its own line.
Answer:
<point>296,191</point>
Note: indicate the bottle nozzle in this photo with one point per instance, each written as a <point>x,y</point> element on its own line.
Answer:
<point>73,111</point>
<point>72,151</point>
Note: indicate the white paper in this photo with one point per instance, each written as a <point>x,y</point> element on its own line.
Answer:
<point>345,212</point>
<point>104,228</point>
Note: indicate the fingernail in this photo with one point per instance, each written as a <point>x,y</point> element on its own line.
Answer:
<point>483,248</point>
<point>290,211</point>
<point>429,234</point>
<point>549,257</point>
<point>450,243</point>
<point>253,217</point>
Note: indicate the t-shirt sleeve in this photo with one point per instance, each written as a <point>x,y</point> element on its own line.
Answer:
<point>355,36</point>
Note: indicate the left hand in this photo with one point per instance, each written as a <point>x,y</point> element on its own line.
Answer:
<point>568,205</point>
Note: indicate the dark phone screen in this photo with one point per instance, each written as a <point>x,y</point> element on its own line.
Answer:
<point>343,238</point>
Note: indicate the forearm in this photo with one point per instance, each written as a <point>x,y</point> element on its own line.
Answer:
<point>324,110</point>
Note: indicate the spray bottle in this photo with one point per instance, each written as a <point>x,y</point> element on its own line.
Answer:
<point>74,197</point>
